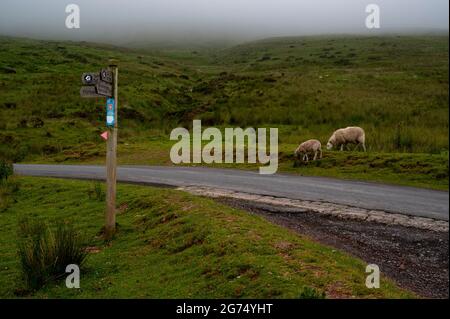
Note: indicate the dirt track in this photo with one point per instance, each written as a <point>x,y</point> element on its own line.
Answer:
<point>416,259</point>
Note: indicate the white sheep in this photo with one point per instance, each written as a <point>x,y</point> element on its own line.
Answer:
<point>349,135</point>
<point>310,146</point>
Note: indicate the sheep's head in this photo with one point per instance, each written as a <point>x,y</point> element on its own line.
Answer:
<point>329,145</point>
<point>331,142</point>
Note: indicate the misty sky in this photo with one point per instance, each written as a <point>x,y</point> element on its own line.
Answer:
<point>124,21</point>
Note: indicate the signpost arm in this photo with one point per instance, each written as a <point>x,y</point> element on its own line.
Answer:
<point>111,163</point>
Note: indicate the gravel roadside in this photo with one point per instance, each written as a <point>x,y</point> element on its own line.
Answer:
<point>417,259</point>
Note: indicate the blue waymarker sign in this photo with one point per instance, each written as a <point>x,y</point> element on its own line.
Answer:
<point>110,112</point>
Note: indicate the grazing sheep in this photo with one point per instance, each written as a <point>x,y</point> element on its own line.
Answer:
<point>310,146</point>
<point>349,135</point>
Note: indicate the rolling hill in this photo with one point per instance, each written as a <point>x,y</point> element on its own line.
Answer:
<point>396,87</point>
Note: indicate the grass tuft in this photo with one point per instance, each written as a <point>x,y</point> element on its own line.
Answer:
<point>44,254</point>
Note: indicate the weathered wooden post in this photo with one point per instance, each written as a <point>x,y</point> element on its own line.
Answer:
<point>106,84</point>
<point>111,159</point>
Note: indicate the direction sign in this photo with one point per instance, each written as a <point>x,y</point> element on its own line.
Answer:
<point>104,88</point>
<point>106,76</point>
<point>110,112</point>
<point>90,78</point>
<point>89,91</point>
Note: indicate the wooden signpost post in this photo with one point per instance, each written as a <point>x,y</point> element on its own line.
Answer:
<point>111,160</point>
<point>105,84</point>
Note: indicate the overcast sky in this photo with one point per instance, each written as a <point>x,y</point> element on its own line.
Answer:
<point>123,21</point>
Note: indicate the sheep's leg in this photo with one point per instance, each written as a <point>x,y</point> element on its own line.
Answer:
<point>320,153</point>
<point>342,147</point>
<point>364,146</point>
<point>315,155</point>
<point>307,159</point>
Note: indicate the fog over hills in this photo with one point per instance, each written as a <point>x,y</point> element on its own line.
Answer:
<point>172,22</point>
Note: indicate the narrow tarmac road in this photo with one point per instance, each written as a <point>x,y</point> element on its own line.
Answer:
<point>389,198</point>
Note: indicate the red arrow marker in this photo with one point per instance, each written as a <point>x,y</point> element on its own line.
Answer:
<point>104,135</point>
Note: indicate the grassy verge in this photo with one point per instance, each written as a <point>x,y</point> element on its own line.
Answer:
<point>418,170</point>
<point>171,244</point>
<point>407,169</point>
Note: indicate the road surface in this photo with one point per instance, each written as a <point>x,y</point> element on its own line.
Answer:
<point>396,199</point>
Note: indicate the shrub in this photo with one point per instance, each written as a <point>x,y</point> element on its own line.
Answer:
<point>6,170</point>
<point>44,254</point>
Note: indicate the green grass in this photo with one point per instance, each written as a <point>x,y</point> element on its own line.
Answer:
<point>418,170</point>
<point>395,87</point>
<point>174,245</point>
<point>407,169</point>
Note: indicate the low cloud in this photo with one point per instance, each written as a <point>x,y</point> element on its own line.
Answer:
<point>123,22</point>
